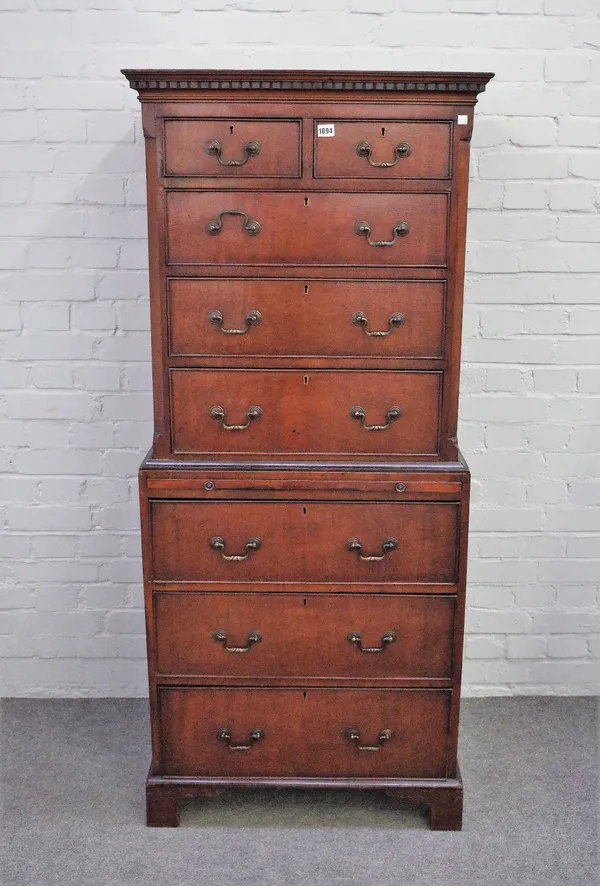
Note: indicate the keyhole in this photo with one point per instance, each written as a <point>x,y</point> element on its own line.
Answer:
<point>306,379</point>
<point>304,602</point>
<point>306,289</point>
<point>383,131</point>
<point>304,512</point>
<point>304,696</point>
<point>231,130</point>
<point>306,201</point>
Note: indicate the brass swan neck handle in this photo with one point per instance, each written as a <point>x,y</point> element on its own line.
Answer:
<point>214,149</point>
<point>401,152</point>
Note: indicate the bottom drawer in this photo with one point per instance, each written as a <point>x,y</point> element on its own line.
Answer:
<point>292,732</point>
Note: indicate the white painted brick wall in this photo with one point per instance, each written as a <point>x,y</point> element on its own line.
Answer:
<point>75,413</point>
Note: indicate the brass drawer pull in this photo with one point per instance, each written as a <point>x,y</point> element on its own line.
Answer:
<point>252,414</point>
<point>401,151</point>
<point>221,637</point>
<point>213,148</point>
<point>356,640</point>
<point>224,735</point>
<point>352,734</point>
<point>360,319</point>
<point>393,414</point>
<point>218,544</point>
<point>215,226</point>
<point>253,318</point>
<point>363,228</point>
<point>389,545</point>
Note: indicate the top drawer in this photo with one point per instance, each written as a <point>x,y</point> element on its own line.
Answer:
<point>232,148</point>
<point>320,543</point>
<point>382,149</point>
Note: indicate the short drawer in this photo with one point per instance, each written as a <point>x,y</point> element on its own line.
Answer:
<point>278,228</point>
<point>317,732</point>
<point>326,318</point>
<point>290,411</point>
<point>320,635</point>
<point>384,149</point>
<point>317,542</point>
<point>232,148</point>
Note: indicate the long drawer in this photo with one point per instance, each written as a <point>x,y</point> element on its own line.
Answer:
<point>316,542</point>
<point>319,411</point>
<point>328,318</point>
<point>317,732</point>
<point>291,228</point>
<point>320,635</point>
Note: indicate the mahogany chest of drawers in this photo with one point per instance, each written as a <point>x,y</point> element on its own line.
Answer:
<point>304,505</point>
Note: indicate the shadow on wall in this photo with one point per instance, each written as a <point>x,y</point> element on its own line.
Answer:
<point>76,409</point>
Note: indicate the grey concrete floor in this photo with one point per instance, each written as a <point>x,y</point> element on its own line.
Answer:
<point>72,809</point>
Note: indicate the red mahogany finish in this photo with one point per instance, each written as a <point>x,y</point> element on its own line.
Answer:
<point>328,318</point>
<point>296,229</point>
<point>208,148</point>
<point>304,543</point>
<point>424,150</point>
<point>412,631</point>
<point>305,732</point>
<point>305,412</point>
<point>304,506</point>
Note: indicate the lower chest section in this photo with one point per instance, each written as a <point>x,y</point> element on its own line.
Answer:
<point>304,626</point>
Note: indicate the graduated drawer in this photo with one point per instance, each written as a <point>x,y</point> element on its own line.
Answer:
<point>383,149</point>
<point>232,148</point>
<point>315,732</point>
<point>290,411</point>
<point>295,228</point>
<point>320,635</point>
<point>407,542</point>
<point>326,318</point>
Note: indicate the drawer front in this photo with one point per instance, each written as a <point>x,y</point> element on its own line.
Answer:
<point>304,542</point>
<point>294,228</point>
<point>310,412</point>
<point>384,149</point>
<point>336,318</point>
<point>235,148</point>
<point>321,635</point>
<point>317,732</point>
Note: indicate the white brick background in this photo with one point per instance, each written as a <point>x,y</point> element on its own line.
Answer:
<point>75,403</point>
